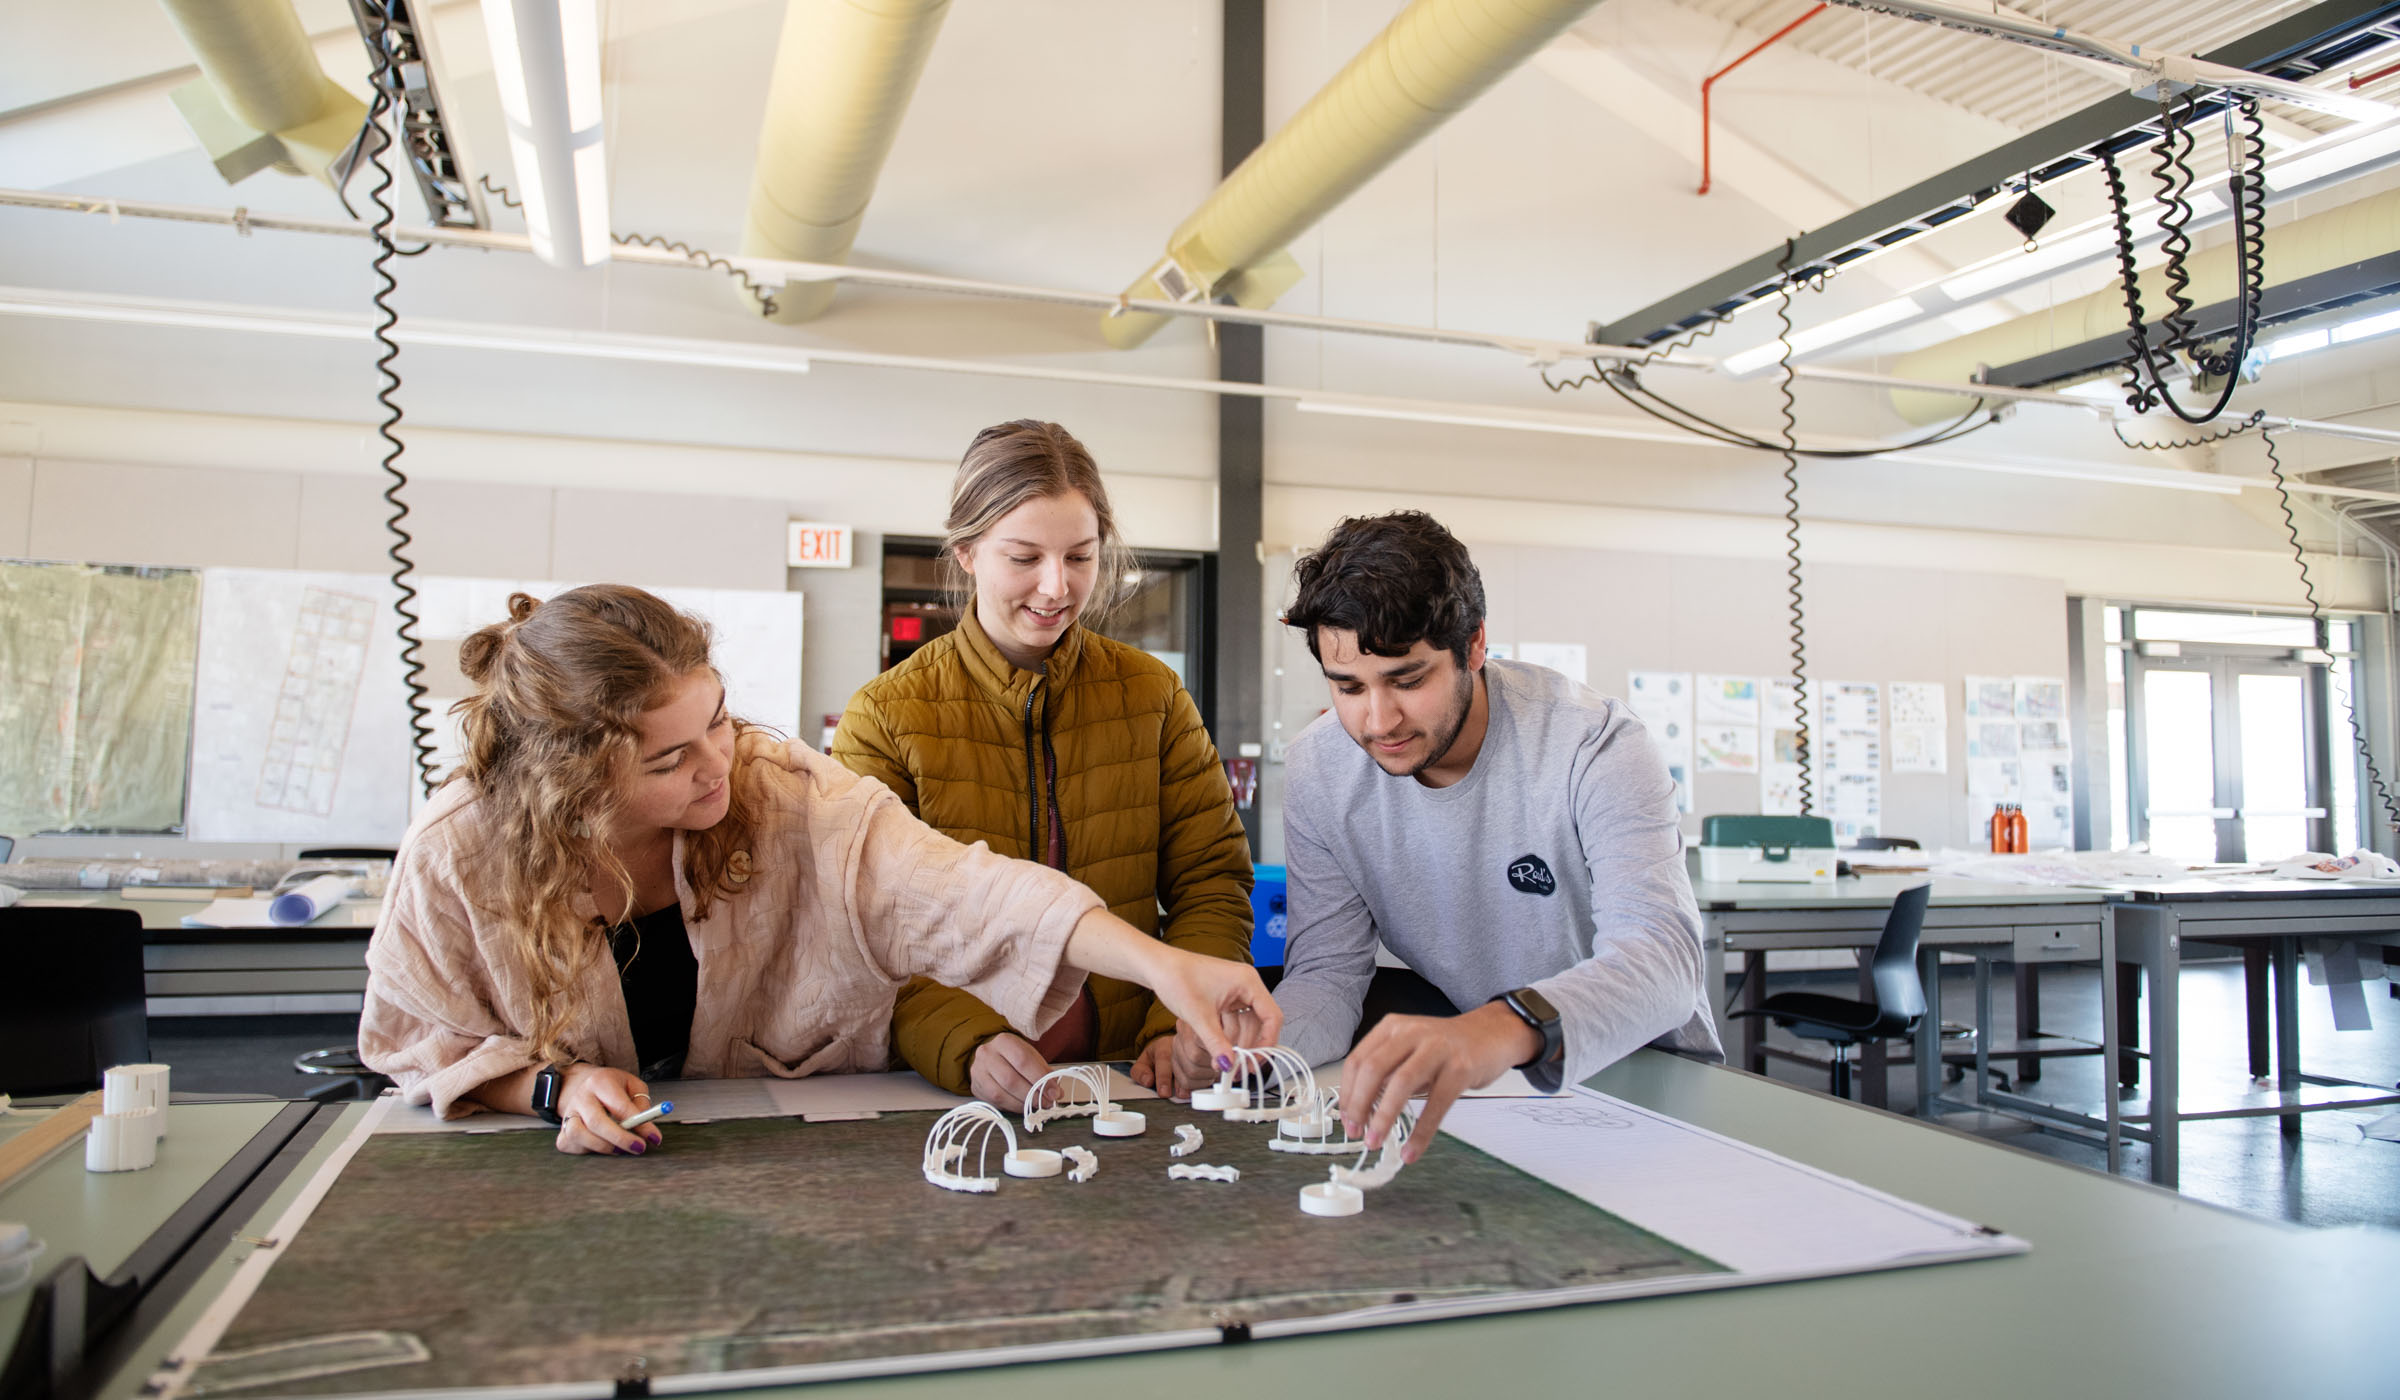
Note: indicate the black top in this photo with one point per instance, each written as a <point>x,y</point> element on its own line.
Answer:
<point>661,978</point>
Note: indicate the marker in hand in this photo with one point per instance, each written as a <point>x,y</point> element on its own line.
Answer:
<point>651,1114</point>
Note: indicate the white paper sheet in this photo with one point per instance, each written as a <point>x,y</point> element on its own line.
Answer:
<point>1569,659</point>
<point>1740,1205</point>
<point>2041,697</point>
<point>1853,705</point>
<point>1731,748</point>
<point>231,913</point>
<point>1919,702</point>
<point>1991,697</point>
<point>1726,700</point>
<point>1920,748</point>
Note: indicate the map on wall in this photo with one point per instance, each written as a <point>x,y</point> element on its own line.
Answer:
<point>300,725</point>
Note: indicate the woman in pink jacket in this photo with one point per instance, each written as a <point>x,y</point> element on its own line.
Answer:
<point>622,881</point>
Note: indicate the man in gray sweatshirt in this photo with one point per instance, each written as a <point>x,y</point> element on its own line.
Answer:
<point>1509,833</point>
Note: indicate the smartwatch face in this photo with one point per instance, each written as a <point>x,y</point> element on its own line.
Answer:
<point>1538,1004</point>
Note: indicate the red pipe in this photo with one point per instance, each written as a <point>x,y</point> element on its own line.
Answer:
<point>1711,81</point>
<point>2357,83</point>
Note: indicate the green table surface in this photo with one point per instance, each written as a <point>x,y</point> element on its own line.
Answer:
<point>2128,1290</point>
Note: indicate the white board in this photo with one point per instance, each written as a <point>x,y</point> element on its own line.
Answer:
<point>300,727</point>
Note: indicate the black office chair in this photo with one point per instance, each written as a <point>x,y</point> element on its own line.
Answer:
<point>8,847</point>
<point>1899,994</point>
<point>348,1076</point>
<point>71,1001</point>
<point>350,853</point>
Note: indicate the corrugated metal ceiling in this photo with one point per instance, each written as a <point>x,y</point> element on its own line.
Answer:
<point>2006,82</point>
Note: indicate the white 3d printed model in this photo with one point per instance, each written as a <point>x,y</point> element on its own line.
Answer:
<point>1243,1091</point>
<point>1187,1141</point>
<point>1387,1162</point>
<point>1060,1088</point>
<point>1087,1163</point>
<point>1320,1133</point>
<point>954,1133</point>
<point>122,1142</point>
<point>1185,1171</point>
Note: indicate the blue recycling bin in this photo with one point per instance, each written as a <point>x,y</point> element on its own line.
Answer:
<point>1267,917</point>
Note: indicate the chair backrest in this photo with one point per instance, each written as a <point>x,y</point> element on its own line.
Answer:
<point>1886,843</point>
<point>71,1002</point>
<point>1899,992</point>
<point>8,847</point>
<point>350,853</point>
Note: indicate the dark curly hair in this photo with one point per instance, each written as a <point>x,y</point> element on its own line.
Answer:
<point>1395,580</point>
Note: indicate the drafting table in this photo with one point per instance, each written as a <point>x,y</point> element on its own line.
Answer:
<point>2145,939</point>
<point>2117,1273</point>
<point>2026,924</point>
<point>319,967</point>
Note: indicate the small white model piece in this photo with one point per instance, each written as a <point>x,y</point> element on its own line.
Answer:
<point>1187,1171</point>
<point>1120,1122</point>
<point>1087,1163</point>
<point>1320,1133</point>
<point>1332,1198</point>
<point>1262,1085</point>
<point>1076,1091</point>
<point>1387,1162</point>
<point>1032,1161</point>
<point>126,1088</point>
<point>1187,1141</point>
<point>18,1250</point>
<point>968,1127</point>
<point>122,1142</point>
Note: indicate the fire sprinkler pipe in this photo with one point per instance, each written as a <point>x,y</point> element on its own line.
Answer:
<point>1711,81</point>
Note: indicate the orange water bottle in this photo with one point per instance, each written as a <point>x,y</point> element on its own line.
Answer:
<point>2019,831</point>
<point>2000,828</point>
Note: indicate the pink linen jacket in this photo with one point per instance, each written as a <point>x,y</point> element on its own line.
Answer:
<point>848,897</point>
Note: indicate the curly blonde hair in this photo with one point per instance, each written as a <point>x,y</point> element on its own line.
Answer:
<point>552,733</point>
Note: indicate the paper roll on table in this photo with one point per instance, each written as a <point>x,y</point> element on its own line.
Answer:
<point>295,907</point>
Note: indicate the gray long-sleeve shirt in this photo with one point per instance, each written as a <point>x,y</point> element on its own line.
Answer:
<point>1556,863</point>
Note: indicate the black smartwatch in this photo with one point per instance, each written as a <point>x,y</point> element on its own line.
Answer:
<point>547,1085</point>
<point>1535,1010</point>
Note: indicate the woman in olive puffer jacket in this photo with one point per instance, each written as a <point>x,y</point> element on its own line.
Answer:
<point>1025,730</point>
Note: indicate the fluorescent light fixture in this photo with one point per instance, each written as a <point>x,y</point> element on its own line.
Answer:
<point>2098,390</point>
<point>546,60</point>
<point>2334,155</point>
<point>2367,326</point>
<point>1402,414</point>
<point>2299,344</point>
<point>1833,332</point>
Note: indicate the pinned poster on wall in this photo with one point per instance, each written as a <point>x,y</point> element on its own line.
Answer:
<point>1662,701</point>
<point>1920,727</point>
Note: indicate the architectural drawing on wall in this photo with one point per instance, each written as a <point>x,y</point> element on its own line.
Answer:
<point>1662,701</point>
<point>1727,700</point>
<point>1729,748</point>
<point>1853,705</point>
<point>2041,697</point>
<point>1920,727</point>
<point>310,734</point>
<point>1779,764</point>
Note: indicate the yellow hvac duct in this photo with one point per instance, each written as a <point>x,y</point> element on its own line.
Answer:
<point>844,72</point>
<point>1432,60</point>
<point>2304,247</point>
<point>263,99</point>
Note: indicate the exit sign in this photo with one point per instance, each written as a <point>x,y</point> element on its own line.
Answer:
<point>819,546</point>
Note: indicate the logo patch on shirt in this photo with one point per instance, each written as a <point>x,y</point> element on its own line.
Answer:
<point>1528,873</point>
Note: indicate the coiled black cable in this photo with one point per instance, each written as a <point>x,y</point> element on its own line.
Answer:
<point>2257,416</point>
<point>387,87</point>
<point>1622,382</point>
<point>698,257</point>
<point>2316,612</point>
<point>2172,169</point>
<point>1791,522</point>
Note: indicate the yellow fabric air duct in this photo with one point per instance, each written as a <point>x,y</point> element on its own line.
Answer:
<point>1433,59</point>
<point>844,73</point>
<point>263,99</point>
<point>2302,248</point>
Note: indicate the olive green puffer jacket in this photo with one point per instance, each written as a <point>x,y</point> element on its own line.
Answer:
<point>965,739</point>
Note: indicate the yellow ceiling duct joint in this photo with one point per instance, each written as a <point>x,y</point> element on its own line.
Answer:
<point>844,73</point>
<point>1428,64</point>
<point>262,99</point>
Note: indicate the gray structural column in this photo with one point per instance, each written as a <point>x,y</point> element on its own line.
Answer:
<point>2087,721</point>
<point>1241,434</point>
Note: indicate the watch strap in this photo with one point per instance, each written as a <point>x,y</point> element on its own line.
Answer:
<point>1535,1010</point>
<point>548,1083</point>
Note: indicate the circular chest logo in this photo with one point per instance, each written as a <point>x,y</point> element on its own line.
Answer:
<point>1528,873</point>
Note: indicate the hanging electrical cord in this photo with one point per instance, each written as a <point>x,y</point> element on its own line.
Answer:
<point>1629,388</point>
<point>697,257</point>
<point>2316,613</point>
<point>387,85</point>
<point>2257,416</point>
<point>2145,381</point>
<point>1791,524</point>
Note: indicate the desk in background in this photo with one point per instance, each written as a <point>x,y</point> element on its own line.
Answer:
<point>2117,1274</point>
<point>2145,940</point>
<point>264,971</point>
<point>2025,924</point>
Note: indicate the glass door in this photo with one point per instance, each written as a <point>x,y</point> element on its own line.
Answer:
<point>2226,764</point>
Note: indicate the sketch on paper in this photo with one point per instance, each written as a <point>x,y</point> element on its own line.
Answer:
<point>2041,697</point>
<point>1727,700</point>
<point>1729,748</point>
<point>310,733</point>
<point>1919,702</point>
<point>1991,697</point>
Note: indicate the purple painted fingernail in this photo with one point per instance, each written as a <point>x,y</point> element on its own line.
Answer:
<point>655,1137</point>
<point>638,1148</point>
<point>1224,1063</point>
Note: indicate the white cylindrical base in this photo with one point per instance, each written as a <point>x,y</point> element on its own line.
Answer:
<point>122,1142</point>
<point>1032,1161</point>
<point>1306,1125</point>
<point>1122,1123</point>
<point>1332,1198</point>
<point>18,1250</point>
<point>1216,1098</point>
<point>128,1087</point>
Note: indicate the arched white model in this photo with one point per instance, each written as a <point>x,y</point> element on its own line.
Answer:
<point>1320,1133</point>
<point>1243,1092</point>
<point>962,1133</point>
<point>1387,1162</point>
<point>1075,1091</point>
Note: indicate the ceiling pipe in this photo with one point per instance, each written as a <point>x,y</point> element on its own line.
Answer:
<point>844,73</point>
<point>262,100</point>
<point>1428,64</point>
<point>1711,81</point>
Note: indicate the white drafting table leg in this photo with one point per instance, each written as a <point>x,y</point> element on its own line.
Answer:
<point>2110,1034</point>
<point>2284,956</point>
<point>1929,1033</point>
